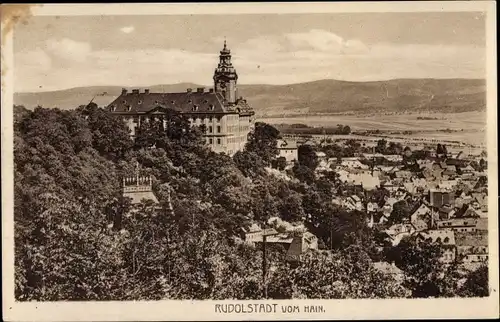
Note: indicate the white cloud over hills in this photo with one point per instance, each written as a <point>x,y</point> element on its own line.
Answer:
<point>288,58</point>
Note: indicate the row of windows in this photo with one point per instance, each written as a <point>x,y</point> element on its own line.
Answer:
<point>211,129</point>
<point>232,128</point>
<point>448,223</point>
<point>466,229</point>
<point>236,139</point>
<point>448,256</point>
<point>476,257</point>
<point>141,119</point>
<point>203,119</point>
<point>211,141</point>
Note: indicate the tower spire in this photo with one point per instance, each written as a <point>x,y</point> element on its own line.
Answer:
<point>225,76</point>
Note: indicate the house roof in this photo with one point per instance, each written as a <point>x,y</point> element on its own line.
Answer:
<point>403,174</point>
<point>482,224</point>
<point>356,198</point>
<point>387,268</point>
<point>441,234</point>
<point>446,209</point>
<point>471,239</point>
<point>481,198</point>
<point>287,145</point>
<point>254,228</point>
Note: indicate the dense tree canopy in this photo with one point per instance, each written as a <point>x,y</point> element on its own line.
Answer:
<point>77,238</point>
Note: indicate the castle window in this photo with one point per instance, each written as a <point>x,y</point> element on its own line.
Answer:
<point>140,102</point>
<point>218,129</point>
<point>211,141</point>
<point>210,129</point>
<point>211,107</point>
<point>210,118</point>
<point>218,141</point>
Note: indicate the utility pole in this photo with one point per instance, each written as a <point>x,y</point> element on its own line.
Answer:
<point>331,238</point>
<point>264,264</point>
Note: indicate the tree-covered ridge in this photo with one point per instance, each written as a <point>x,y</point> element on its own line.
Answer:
<point>77,238</point>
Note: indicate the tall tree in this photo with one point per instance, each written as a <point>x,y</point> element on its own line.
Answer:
<point>263,141</point>
<point>333,275</point>
<point>426,275</point>
<point>307,156</point>
<point>381,146</point>
<point>110,136</point>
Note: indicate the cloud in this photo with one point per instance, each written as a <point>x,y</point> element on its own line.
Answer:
<point>69,49</point>
<point>319,54</point>
<point>128,29</point>
<point>324,41</point>
<point>31,69</point>
<point>275,59</point>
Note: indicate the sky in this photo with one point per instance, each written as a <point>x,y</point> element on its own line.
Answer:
<point>59,52</point>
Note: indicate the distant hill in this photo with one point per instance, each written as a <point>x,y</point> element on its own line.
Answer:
<point>318,97</point>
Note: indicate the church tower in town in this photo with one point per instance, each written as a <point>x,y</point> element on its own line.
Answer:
<point>225,77</point>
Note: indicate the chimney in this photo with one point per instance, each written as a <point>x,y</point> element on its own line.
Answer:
<point>189,90</point>
<point>200,89</point>
<point>124,91</point>
<point>135,91</point>
<point>211,90</point>
<point>146,91</point>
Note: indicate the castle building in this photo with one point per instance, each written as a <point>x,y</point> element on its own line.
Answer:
<point>139,189</point>
<point>228,118</point>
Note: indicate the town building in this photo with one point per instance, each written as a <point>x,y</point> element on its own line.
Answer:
<point>228,119</point>
<point>440,197</point>
<point>472,247</point>
<point>295,239</point>
<point>288,149</point>
<point>444,237</point>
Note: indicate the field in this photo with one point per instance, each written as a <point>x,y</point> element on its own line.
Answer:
<point>468,127</point>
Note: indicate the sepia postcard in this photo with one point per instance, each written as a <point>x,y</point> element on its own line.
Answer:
<point>249,161</point>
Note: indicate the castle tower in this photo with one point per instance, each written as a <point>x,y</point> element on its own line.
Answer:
<point>225,76</point>
<point>138,187</point>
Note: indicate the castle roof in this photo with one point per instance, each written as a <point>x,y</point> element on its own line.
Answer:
<point>182,102</point>
<point>185,102</point>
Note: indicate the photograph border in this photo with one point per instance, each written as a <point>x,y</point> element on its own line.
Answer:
<point>205,310</point>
